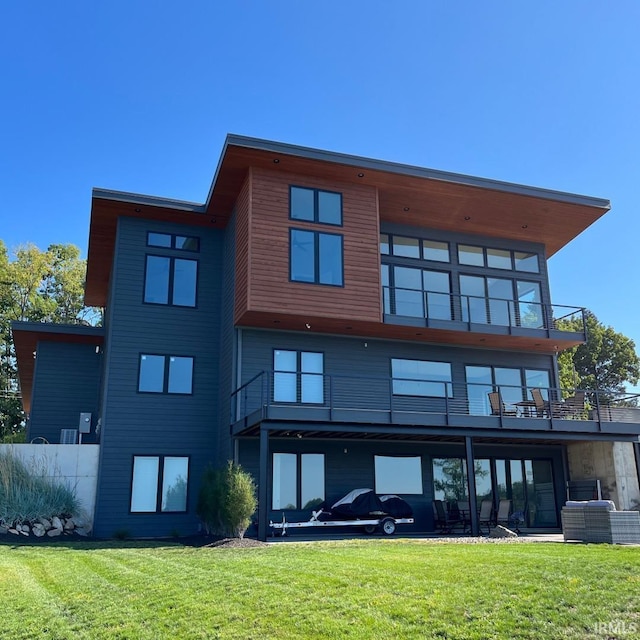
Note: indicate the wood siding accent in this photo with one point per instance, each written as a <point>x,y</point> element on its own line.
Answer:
<point>242,248</point>
<point>269,289</point>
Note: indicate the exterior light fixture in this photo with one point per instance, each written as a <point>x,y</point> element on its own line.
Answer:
<point>406,209</point>
<point>467,217</point>
<point>361,175</point>
<point>307,325</point>
<point>276,161</point>
<point>525,226</point>
<point>138,210</point>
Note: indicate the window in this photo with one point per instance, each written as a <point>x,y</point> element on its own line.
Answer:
<point>450,479</point>
<point>398,474</point>
<point>513,383</point>
<point>498,258</point>
<point>165,374</point>
<point>172,241</point>
<point>159,484</point>
<point>290,488</point>
<point>315,205</point>
<point>170,281</point>
<point>316,257</point>
<point>418,293</point>
<point>417,248</point>
<point>298,376</point>
<point>421,378</point>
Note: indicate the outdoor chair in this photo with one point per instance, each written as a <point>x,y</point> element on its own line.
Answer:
<point>486,515</point>
<point>504,510</point>
<point>498,407</point>
<point>575,405</point>
<point>445,521</point>
<point>542,406</point>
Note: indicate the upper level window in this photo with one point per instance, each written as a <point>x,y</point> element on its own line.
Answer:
<point>316,257</point>
<point>165,374</point>
<point>173,241</point>
<point>421,378</point>
<point>298,376</point>
<point>498,258</point>
<point>170,281</point>
<point>405,247</point>
<point>315,205</point>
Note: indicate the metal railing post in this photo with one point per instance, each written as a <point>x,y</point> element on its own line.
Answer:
<point>597,395</point>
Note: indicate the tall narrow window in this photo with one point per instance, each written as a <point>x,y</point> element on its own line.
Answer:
<point>316,257</point>
<point>298,480</point>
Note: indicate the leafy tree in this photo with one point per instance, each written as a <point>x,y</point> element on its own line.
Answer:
<point>607,361</point>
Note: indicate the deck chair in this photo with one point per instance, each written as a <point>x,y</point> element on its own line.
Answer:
<point>542,406</point>
<point>504,509</point>
<point>498,407</point>
<point>486,515</point>
<point>575,405</point>
<point>444,521</point>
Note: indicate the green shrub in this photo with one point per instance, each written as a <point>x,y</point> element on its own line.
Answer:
<point>26,493</point>
<point>227,500</point>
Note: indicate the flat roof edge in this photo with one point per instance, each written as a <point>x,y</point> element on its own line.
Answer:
<point>405,169</point>
<point>139,198</point>
<point>57,329</point>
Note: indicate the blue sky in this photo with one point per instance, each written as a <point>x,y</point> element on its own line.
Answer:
<point>138,96</point>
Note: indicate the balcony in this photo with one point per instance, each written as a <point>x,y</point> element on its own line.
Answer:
<point>498,322</point>
<point>443,406</point>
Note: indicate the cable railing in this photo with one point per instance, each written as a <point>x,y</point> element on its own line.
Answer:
<point>386,400</point>
<point>439,306</point>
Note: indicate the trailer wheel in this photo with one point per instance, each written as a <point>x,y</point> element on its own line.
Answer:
<point>388,526</point>
<point>369,528</point>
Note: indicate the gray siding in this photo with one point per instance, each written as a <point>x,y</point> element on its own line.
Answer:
<point>66,383</point>
<point>350,465</point>
<point>157,424</point>
<point>366,358</point>
<point>227,343</point>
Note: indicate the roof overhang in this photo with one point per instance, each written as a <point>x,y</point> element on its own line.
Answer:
<point>407,195</point>
<point>27,335</point>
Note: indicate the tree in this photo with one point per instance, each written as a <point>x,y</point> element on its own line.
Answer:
<point>37,286</point>
<point>606,362</point>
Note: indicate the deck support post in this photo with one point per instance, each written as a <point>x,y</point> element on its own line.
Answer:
<point>263,483</point>
<point>471,481</point>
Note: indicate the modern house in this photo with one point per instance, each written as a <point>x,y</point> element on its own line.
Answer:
<point>331,322</point>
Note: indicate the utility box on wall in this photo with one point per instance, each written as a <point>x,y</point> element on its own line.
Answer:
<point>85,423</point>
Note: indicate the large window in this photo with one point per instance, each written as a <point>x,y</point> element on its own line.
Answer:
<point>159,484</point>
<point>398,474</point>
<point>165,374</point>
<point>501,301</point>
<point>417,293</point>
<point>316,257</point>
<point>513,383</point>
<point>298,376</point>
<point>298,480</point>
<point>450,479</point>
<point>421,378</point>
<point>170,281</point>
<point>315,205</point>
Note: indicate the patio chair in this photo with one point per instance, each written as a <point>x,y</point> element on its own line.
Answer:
<point>504,510</point>
<point>498,407</point>
<point>575,405</point>
<point>486,515</point>
<point>542,406</point>
<point>445,521</point>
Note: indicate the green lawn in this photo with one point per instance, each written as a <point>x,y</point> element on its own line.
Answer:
<point>375,588</point>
